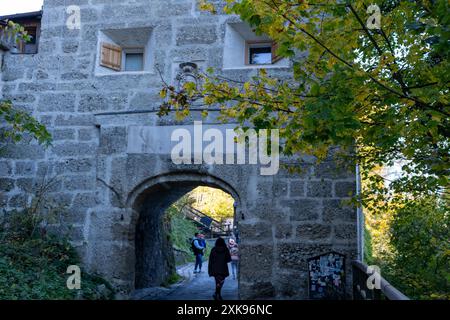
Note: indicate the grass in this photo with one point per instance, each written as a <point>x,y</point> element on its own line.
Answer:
<point>172,279</point>
<point>35,269</point>
<point>33,263</point>
<point>182,232</point>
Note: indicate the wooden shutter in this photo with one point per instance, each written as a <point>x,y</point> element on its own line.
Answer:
<point>111,56</point>
<point>275,56</point>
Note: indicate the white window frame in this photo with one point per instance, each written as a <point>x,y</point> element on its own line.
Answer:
<point>147,48</point>
<point>235,49</point>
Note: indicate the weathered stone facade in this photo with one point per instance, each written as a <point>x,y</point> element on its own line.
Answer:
<point>115,198</point>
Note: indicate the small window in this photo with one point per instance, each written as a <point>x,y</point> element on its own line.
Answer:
<point>134,61</point>
<point>128,50</point>
<point>244,49</point>
<point>122,59</point>
<point>260,53</point>
<point>30,46</point>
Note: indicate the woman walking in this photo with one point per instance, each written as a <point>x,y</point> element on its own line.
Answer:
<point>218,266</point>
<point>234,252</point>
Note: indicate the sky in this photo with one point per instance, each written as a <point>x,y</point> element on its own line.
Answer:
<point>19,6</point>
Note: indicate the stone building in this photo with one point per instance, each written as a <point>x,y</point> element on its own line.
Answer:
<point>96,87</point>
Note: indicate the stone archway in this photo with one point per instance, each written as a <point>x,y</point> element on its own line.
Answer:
<point>148,202</point>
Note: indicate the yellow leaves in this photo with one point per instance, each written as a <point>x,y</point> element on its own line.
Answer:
<point>362,94</point>
<point>207,6</point>
<point>271,82</point>
<point>208,99</point>
<point>321,152</point>
<point>181,114</point>
<point>303,5</point>
<point>331,62</point>
<point>387,58</point>
<point>190,87</point>
<point>163,93</point>
<point>231,112</point>
<point>214,202</point>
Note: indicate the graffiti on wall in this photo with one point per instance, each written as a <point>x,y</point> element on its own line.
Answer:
<point>327,276</point>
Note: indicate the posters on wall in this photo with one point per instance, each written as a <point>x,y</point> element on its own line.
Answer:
<point>327,276</point>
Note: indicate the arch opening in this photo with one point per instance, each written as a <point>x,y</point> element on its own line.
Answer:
<point>156,260</point>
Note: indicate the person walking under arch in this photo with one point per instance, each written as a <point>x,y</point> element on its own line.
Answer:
<point>218,266</point>
<point>234,252</point>
<point>198,247</point>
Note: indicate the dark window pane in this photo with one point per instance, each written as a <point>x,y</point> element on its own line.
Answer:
<point>260,55</point>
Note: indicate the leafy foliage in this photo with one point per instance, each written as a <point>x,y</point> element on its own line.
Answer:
<point>213,202</point>
<point>19,122</point>
<point>411,244</point>
<point>34,261</point>
<point>376,97</point>
<point>182,230</point>
<point>420,236</point>
<point>13,30</point>
<point>36,269</point>
<point>381,95</point>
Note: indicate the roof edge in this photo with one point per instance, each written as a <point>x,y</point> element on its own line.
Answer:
<point>24,15</point>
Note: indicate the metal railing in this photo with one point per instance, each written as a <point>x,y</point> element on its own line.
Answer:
<point>361,290</point>
<point>214,226</point>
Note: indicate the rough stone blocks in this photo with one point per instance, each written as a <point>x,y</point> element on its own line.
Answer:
<point>283,219</point>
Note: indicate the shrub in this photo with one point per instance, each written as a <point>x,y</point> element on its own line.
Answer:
<point>33,261</point>
<point>35,269</point>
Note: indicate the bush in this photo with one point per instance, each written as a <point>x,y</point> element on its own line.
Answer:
<point>36,269</point>
<point>183,230</point>
<point>411,245</point>
<point>420,237</point>
<point>33,262</point>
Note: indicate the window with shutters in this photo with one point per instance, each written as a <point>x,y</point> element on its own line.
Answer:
<point>244,49</point>
<point>111,56</point>
<point>125,51</point>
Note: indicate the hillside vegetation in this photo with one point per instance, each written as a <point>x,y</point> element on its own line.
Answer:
<point>33,264</point>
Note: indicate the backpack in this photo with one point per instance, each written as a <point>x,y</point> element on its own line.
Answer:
<point>194,248</point>
<point>234,252</point>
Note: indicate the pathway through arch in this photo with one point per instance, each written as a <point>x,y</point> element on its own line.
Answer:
<point>194,287</point>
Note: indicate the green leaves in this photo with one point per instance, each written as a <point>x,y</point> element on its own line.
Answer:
<point>419,234</point>
<point>16,31</point>
<point>21,123</point>
<point>36,270</point>
<point>382,92</point>
<point>33,262</point>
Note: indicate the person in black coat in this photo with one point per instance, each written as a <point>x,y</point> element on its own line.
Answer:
<point>218,265</point>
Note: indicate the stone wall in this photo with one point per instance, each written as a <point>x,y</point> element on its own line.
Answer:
<point>283,219</point>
